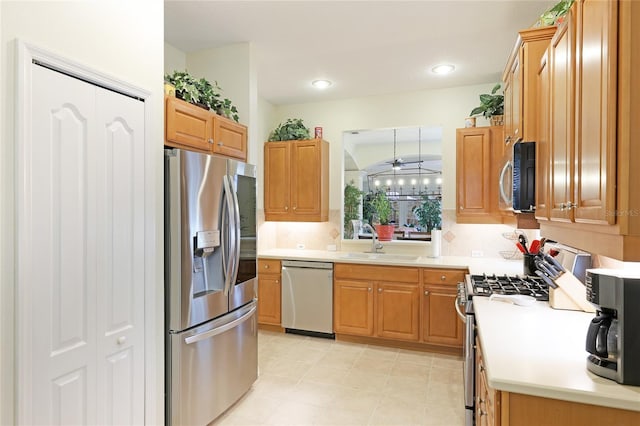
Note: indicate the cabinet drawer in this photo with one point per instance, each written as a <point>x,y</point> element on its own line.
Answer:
<point>269,266</point>
<point>394,274</point>
<point>443,276</point>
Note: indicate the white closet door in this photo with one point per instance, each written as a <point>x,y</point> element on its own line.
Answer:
<point>120,258</point>
<point>81,261</point>
<point>60,254</point>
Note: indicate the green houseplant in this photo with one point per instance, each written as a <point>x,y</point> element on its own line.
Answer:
<point>202,92</point>
<point>491,105</point>
<point>291,129</point>
<point>352,198</point>
<point>382,207</point>
<point>429,214</point>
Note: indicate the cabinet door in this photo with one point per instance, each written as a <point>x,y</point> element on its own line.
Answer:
<point>516,98</point>
<point>398,311</point>
<point>269,299</point>
<point>542,144</point>
<point>230,138</point>
<point>188,126</point>
<point>306,181</point>
<point>507,88</point>
<point>353,307</point>
<point>277,177</point>
<point>562,119</point>
<point>595,148</point>
<point>440,322</point>
<point>473,171</point>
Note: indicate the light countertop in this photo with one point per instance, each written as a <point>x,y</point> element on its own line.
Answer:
<point>540,351</point>
<point>476,265</point>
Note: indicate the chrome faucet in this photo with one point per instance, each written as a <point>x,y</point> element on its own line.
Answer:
<point>375,244</point>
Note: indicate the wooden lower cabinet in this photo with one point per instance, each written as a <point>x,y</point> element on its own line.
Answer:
<point>269,292</point>
<point>398,303</point>
<point>353,307</point>
<point>488,402</point>
<point>377,301</point>
<point>398,311</point>
<point>440,322</point>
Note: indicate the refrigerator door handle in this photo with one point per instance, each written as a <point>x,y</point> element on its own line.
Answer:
<point>219,330</point>
<point>236,233</point>
<point>229,261</point>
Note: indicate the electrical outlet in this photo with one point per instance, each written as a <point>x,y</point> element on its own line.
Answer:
<point>300,246</point>
<point>477,253</point>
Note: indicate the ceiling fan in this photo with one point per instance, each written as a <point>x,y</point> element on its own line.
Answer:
<point>397,163</point>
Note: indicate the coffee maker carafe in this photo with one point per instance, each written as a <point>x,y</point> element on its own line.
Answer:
<point>613,337</point>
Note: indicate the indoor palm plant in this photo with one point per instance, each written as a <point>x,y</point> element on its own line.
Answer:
<point>491,106</point>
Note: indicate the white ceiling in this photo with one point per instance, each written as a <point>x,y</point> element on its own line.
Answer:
<point>364,47</point>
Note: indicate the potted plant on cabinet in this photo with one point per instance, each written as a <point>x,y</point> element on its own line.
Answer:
<point>491,106</point>
<point>203,93</point>
<point>382,207</point>
<point>292,129</point>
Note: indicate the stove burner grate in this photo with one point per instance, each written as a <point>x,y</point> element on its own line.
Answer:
<point>486,285</point>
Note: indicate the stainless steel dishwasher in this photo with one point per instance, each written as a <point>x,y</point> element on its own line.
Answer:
<point>307,297</point>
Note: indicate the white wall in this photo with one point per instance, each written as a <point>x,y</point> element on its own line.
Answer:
<point>174,59</point>
<point>123,40</point>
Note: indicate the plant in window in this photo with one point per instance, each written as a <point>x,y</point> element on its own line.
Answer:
<point>429,214</point>
<point>352,198</point>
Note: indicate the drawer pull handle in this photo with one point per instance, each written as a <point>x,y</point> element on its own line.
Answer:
<point>443,278</point>
<point>266,266</point>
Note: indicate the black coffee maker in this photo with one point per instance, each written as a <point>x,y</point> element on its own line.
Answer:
<point>613,338</point>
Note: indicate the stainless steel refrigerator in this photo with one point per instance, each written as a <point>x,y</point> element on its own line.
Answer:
<point>210,284</point>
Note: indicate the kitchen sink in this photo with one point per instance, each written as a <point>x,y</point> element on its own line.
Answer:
<point>379,256</point>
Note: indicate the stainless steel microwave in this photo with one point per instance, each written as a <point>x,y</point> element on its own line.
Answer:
<point>517,182</point>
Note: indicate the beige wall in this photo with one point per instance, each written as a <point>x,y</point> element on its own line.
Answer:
<point>174,59</point>
<point>123,40</point>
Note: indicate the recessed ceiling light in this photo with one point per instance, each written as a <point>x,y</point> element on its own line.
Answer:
<point>443,69</point>
<point>321,84</point>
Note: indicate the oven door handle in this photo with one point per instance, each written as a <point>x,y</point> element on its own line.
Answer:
<point>459,312</point>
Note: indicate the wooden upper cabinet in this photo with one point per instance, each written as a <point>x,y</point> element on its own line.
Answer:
<point>561,125</point>
<point>594,157</point>
<point>478,153</point>
<point>296,180</point>
<point>190,127</point>
<point>542,143</point>
<point>229,138</point>
<point>520,81</point>
<point>596,108</point>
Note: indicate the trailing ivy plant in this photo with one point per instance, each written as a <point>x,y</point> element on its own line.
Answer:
<point>291,129</point>
<point>352,198</point>
<point>202,92</point>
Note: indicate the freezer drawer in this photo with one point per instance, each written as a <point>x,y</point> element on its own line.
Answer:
<point>307,296</point>
<point>211,367</point>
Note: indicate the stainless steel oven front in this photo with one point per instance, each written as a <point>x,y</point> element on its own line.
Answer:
<point>463,301</point>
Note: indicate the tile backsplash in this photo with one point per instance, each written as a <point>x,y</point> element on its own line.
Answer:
<point>457,239</point>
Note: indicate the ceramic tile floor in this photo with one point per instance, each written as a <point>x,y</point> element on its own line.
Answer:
<point>314,381</point>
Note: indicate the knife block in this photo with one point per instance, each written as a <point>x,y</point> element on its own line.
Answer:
<point>571,294</point>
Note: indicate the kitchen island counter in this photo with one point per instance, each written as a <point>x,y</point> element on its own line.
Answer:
<point>540,351</point>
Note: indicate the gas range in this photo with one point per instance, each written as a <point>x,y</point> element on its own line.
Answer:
<point>486,285</point>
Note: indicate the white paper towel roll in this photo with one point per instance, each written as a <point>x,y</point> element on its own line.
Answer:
<point>436,243</point>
